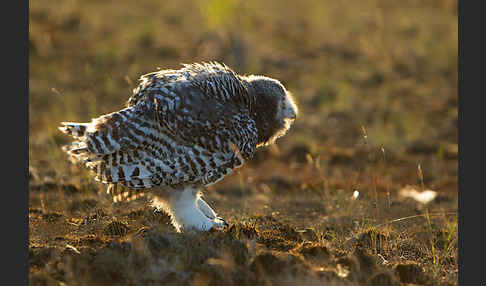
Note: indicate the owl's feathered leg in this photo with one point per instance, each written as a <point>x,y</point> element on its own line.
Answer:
<point>182,206</point>
<point>210,213</point>
<point>205,208</point>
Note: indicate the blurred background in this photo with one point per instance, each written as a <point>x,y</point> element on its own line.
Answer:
<point>384,69</point>
<point>376,85</point>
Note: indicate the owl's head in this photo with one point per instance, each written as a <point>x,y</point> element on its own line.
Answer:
<point>275,109</point>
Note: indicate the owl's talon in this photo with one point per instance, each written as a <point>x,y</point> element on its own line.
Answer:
<point>220,223</point>
<point>224,222</point>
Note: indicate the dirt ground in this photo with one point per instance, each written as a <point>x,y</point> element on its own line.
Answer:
<point>376,85</point>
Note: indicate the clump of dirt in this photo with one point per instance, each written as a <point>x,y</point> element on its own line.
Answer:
<point>39,255</point>
<point>309,234</point>
<point>373,239</point>
<point>82,206</point>
<point>54,216</point>
<point>411,273</point>
<point>368,264</point>
<point>90,240</point>
<point>97,216</point>
<point>281,237</point>
<point>267,263</point>
<point>358,266</point>
<point>116,228</point>
<point>243,231</point>
<point>315,252</point>
<point>383,279</point>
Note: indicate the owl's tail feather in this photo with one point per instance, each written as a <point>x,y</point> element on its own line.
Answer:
<point>78,150</point>
<point>125,168</point>
<point>112,146</point>
<point>120,130</point>
<point>74,129</point>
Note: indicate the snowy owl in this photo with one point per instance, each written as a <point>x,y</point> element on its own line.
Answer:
<point>182,130</point>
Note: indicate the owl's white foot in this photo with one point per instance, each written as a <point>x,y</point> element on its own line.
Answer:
<point>188,211</point>
<point>219,222</point>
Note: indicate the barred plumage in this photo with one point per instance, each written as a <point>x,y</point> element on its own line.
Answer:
<point>182,129</point>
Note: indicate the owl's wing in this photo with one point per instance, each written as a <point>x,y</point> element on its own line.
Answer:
<point>199,104</point>
<point>196,118</point>
<point>142,145</point>
<point>224,129</point>
<point>123,130</point>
